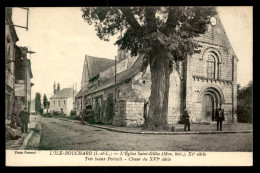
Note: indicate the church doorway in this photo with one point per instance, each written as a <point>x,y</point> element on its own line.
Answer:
<point>211,99</point>
<point>207,108</point>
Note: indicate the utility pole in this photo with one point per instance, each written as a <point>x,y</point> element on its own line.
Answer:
<point>73,96</point>
<point>115,89</point>
<point>25,78</point>
<point>115,79</point>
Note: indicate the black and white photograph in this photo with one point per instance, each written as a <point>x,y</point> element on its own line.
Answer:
<point>129,86</point>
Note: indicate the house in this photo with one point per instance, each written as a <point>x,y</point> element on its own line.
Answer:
<point>18,70</point>
<point>62,101</point>
<point>10,52</point>
<point>91,69</point>
<point>23,76</point>
<point>206,81</point>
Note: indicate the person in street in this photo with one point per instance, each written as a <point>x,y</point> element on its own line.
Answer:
<point>186,119</point>
<point>22,116</point>
<point>97,111</point>
<point>82,116</point>
<point>220,118</point>
<point>12,119</point>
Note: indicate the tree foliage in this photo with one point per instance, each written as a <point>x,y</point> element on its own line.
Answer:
<point>245,104</point>
<point>170,28</point>
<point>38,102</point>
<point>163,35</point>
<point>45,101</point>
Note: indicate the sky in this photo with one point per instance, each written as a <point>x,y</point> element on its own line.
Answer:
<point>61,39</point>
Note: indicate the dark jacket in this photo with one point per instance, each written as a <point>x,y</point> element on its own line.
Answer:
<point>220,115</point>
<point>186,117</point>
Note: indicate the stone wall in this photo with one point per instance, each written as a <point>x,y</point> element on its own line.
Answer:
<point>141,83</point>
<point>129,114</point>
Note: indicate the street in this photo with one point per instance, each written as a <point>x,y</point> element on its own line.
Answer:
<point>60,134</point>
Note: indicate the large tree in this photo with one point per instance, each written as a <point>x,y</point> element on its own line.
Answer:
<point>38,102</point>
<point>45,101</point>
<point>164,35</point>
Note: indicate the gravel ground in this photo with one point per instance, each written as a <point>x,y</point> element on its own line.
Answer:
<point>65,135</point>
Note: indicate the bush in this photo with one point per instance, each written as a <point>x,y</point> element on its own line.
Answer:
<point>90,119</point>
<point>47,115</point>
<point>41,111</point>
<point>73,113</point>
<point>55,113</point>
<point>244,114</point>
<point>245,104</point>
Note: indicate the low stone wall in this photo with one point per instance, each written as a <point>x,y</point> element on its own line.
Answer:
<point>129,114</point>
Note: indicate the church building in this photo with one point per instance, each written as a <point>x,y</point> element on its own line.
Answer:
<point>206,81</point>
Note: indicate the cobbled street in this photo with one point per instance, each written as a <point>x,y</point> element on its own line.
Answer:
<point>60,134</point>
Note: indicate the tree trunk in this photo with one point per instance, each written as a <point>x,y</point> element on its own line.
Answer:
<point>158,109</point>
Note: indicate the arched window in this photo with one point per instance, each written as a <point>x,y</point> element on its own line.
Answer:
<point>211,67</point>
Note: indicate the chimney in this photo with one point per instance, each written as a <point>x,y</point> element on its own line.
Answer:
<point>58,87</point>
<point>54,87</point>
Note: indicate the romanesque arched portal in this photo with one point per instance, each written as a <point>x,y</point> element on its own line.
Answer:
<point>211,98</point>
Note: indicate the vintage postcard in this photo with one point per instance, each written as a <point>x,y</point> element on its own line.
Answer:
<point>129,86</point>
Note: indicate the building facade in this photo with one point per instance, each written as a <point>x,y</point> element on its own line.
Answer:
<point>10,51</point>
<point>62,101</point>
<point>18,71</point>
<point>205,81</point>
<point>23,76</point>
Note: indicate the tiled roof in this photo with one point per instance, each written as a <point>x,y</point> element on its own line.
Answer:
<point>96,65</point>
<point>79,94</point>
<point>64,93</point>
<point>121,77</point>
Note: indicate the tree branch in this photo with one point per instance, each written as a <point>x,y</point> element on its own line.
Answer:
<point>131,20</point>
<point>150,19</point>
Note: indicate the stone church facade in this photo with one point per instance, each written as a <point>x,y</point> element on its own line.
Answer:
<point>205,81</point>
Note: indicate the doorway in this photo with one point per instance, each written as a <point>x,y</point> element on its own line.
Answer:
<point>207,108</point>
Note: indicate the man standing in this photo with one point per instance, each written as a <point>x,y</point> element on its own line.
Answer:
<point>186,118</point>
<point>22,117</point>
<point>82,116</point>
<point>220,118</point>
<point>97,112</point>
